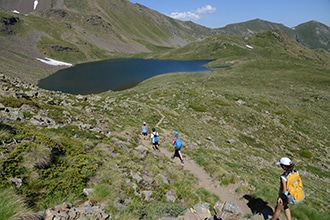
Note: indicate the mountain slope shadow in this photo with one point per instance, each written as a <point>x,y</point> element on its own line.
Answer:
<point>259,206</point>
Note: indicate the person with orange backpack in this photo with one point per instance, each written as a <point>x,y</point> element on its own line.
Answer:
<point>291,189</point>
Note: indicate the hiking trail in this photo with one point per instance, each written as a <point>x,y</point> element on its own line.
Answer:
<point>225,193</point>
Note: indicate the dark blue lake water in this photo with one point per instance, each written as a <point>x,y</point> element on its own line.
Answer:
<point>115,75</point>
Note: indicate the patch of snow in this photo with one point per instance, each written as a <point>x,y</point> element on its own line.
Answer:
<point>35,3</point>
<point>15,11</point>
<point>53,62</point>
<point>250,31</point>
<point>248,46</point>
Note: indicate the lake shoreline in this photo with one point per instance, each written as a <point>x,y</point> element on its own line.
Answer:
<point>115,75</point>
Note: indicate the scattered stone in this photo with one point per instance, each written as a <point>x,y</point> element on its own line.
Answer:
<point>227,211</point>
<point>17,181</point>
<point>240,102</point>
<point>199,211</point>
<point>120,207</point>
<point>141,149</point>
<point>137,177</point>
<point>147,195</point>
<point>163,178</point>
<point>231,141</point>
<point>66,211</point>
<point>170,196</point>
<point>88,191</point>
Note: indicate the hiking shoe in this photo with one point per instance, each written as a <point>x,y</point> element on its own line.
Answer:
<point>181,161</point>
<point>172,157</point>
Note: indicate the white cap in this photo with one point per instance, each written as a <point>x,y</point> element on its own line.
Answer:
<point>144,123</point>
<point>284,161</point>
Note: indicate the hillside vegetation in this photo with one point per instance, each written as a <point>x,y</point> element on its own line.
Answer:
<point>255,106</point>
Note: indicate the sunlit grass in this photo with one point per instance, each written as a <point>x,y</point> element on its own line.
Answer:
<point>13,206</point>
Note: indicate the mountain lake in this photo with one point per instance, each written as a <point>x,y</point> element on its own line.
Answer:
<point>115,75</point>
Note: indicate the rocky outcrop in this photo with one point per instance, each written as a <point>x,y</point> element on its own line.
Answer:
<point>227,210</point>
<point>10,20</point>
<point>67,211</point>
<point>59,48</point>
<point>26,108</point>
<point>223,211</point>
<point>7,24</point>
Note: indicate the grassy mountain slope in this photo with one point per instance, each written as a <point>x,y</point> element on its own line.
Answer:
<point>254,26</point>
<point>228,50</point>
<point>76,32</point>
<point>313,30</point>
<point>312,34</point>
<point>235,122</point>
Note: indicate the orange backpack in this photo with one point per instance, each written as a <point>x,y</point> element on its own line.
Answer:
<point>295,187</point>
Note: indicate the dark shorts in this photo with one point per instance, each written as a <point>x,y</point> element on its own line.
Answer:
<point>155,143</point>
<point>144,133</point>
<point>176,153</point>
<point>288,199</point>
<point>284,198</point>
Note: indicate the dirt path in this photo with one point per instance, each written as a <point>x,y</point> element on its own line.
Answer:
<point>226,193</point>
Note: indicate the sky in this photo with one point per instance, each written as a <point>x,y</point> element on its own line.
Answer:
<point>219,13</point>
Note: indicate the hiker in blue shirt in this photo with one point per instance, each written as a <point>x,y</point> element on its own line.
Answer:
<point>176,141</point>
<point>154,137</point>
<point>144,130</point>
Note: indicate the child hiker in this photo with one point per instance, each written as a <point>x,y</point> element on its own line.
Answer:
<point>144,130</point>
<point>283,197</point>
<point>154,137</point>
<point>176,141</point>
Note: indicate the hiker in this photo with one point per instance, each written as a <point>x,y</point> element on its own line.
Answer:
<point>176,141</point>
<point>283,197</point>
<point>154,138</point>
<point>144,130</point>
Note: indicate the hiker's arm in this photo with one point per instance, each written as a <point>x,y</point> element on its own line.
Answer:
<point>284,187</point>
<point>283,183</point>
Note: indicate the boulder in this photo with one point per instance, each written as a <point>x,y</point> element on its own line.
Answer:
<point>227,211</point>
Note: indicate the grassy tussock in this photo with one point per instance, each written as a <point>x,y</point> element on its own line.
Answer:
<point>13,206</point>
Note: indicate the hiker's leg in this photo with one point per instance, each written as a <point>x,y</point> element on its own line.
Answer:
<point>287,213</point>
<point>172,157</point>
<point>277,212</point>
<point>180,155</point>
